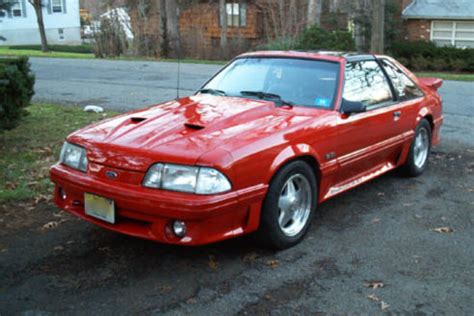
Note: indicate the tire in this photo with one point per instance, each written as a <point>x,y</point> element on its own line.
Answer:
<point>280,229</point>
<point>417,159</point>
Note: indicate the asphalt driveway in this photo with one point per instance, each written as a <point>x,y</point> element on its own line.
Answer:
<point>376,248</point>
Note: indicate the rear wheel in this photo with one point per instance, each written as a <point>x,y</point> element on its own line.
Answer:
<point>419,150</point>
<point>289,206</point>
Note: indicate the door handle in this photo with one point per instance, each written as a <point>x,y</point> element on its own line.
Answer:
<point>396,115</point>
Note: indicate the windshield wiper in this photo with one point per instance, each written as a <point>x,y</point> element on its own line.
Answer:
<point>267,96</point>
<point>212,91</point>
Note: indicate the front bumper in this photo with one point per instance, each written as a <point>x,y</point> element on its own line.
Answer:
<point>149,213</point>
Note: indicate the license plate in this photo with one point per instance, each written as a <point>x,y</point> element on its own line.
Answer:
<point>99,207</point>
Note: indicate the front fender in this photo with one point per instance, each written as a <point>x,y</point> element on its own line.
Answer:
<point>292,152</point>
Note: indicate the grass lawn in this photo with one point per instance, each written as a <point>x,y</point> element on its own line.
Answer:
<point>6,51</point>
<point>447,76</point>
<point>33,146</point>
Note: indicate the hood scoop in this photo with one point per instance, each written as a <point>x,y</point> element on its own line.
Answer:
<point>137,119</point>
<point>194,126</point>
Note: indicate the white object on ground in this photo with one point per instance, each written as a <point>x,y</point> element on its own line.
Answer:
<point>93,108</point>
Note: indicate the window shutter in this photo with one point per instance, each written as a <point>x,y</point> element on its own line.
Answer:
<point>48,5</point>
<point>23,8</point>
<point>64,6</point>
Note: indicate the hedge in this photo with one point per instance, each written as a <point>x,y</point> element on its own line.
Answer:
<point>81,49</point>
<point>315,38</point>
<point>422,56</point>
<point>16,90</point>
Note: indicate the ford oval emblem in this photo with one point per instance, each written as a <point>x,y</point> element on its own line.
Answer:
<point>111,174</point>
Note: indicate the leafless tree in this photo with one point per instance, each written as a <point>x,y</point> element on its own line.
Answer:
<point>38,6</point>
<point>142,10</point>
<point>284,19</point>
<point>377,36</point>
<point>162,28</point>
<point>223,22</point>
<point>314,12</point>
<point>172,27</point>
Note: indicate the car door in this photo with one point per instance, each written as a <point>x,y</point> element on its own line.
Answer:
<point>368,141</point>
<point>409,97</point>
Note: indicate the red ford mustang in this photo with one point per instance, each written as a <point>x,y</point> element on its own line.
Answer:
<point>256,149</point>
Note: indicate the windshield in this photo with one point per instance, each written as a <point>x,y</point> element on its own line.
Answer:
<point>303,82</point>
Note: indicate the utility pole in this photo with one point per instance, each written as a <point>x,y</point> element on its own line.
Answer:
<point>378,17</point>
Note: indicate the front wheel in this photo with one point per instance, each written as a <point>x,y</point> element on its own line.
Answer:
<point>289,206</point>
<point>419,150</point>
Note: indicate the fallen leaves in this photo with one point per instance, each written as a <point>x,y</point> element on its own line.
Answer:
<point>53,224</point>
<point>250,257</point>
<point>373,297</point>
<point>443,230</point>
<point>376,220</point>
<point>212,263</point>
<point>42,198</point>
<point>374,284</point>
<point>50,225</point>
<point>11,186</point>
<point>273,263</point>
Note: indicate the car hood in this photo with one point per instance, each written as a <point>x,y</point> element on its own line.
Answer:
<point>183,130</point>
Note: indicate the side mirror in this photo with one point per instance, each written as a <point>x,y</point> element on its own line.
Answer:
<point>350,107</point>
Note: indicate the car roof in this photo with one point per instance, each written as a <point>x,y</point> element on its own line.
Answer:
<point>309,54</point>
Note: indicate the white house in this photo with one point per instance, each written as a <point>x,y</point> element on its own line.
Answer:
<point>19,26</point>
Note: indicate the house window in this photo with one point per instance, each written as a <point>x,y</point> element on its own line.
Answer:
<point>57,6</point>
<point>2,13</point>
<point>453,33</point>
<point>16,8</point>
<point>61,34</point>
<point>236,14</point>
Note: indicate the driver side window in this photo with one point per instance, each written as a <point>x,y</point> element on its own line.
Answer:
<point>365,82</point>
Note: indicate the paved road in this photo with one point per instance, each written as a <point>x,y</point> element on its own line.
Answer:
<point>381,231</point>
<point>124,85</point>
<point>117,85</point>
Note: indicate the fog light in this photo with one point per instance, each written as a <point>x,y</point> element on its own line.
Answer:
<point>62,194</point>
<point>179,228</point>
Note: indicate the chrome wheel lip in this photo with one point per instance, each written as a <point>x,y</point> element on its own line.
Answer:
<point>294,205</point>
<point>421,147</point>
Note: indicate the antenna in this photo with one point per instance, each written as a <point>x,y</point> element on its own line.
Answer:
<point>178,77</point>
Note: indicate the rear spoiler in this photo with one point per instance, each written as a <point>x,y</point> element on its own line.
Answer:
<point>433,83</point>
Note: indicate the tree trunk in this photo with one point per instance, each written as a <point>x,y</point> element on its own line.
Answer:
<point>37,5</point>
<point>314,12</point>
<point>223,22</point>
<point>377,41</point>
<point>164,48</point>
<point>172,28</point>
<point>142,8</point>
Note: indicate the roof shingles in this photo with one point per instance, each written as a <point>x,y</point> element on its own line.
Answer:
<point>440,9</point>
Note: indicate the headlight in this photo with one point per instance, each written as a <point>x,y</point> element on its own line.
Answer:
<point>199,180</point>
<point>74,156</point>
